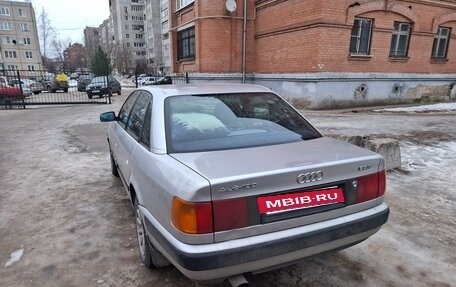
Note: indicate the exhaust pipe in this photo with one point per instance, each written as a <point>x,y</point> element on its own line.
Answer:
<point>238,281</point>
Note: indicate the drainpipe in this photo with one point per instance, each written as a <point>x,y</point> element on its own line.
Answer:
<point>244,41</point>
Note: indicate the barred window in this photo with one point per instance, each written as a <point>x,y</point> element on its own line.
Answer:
<point>400,39</point>
<point>360,41</point>
<point>441,41</point>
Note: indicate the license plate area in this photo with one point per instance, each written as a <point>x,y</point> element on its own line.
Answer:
<point>299,203</point>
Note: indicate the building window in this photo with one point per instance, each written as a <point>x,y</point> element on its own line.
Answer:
<point>24,27</point>
<point>5,11</point>
<point>12,67</point>
<point>31,68</point>
<point>27,41</point>
<point>8,40</point>
<point>183,3</point>
<point>126,18</point>
<point>139,36</point>
<point>21,12</point>
<point>441,41</point>
<point>127,36</point>
<point>127,27</point>
<point>400,39</point>
<point>137,8</point>
<point>361,37</point>
<point>10,54</point>
<point>165,36</point>
<point>137,27</point>
<point>28,55</point>
<point>186,44</point>
<point>6,26</point>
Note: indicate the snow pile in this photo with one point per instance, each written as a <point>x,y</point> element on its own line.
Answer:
<point>442,107</point>
<point>15,257</point>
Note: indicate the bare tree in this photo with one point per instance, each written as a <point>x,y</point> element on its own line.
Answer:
<point>46,34</point>
<point>59,47</point>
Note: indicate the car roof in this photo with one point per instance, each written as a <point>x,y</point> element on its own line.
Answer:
<point>203,89</point>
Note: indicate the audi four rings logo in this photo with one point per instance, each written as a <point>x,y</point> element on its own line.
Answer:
<point>310,177</point>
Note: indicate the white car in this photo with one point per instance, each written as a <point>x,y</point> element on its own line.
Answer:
<point>148,81</point>
<point>227,179</point>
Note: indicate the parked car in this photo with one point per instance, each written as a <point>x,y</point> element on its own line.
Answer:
<point>147,81</point>
<point>84,80</point>
<point>7,90</point>
<point>53,83</point>
<point>157,81</point>
<point>100,86</point>
<point>31,85</point>
<point>230,179</point>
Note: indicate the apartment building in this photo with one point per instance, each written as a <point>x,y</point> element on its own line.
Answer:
<point>153,36</point>
<point>164,23</point>
<point>318,52</point>
<point>128,26</point>
<point>75,58</point>
<point>19,42</point>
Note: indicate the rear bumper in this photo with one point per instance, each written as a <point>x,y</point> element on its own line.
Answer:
<point>221,260</point>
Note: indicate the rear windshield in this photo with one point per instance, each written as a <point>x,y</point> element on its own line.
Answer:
<point>230,121</point>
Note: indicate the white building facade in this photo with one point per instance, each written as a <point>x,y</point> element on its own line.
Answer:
<point>19,42</point>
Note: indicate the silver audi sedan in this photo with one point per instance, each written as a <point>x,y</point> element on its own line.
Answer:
<point>227,179</point>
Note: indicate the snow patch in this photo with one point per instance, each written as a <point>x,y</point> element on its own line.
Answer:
<point>442,107</point>
<point>15,257</point>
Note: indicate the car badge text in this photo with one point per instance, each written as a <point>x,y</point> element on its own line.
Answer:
<point>238,187</point>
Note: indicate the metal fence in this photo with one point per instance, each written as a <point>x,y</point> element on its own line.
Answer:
<point>22,88</point>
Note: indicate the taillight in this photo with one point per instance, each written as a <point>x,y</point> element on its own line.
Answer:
<point>192,217</point>
<point>204,217</point>
<point>371,186</point>
<point>230,214</point>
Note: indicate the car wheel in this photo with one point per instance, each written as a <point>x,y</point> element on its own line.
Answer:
<point>53,91</point>
<point>149,256</point>
<point>65,90</point>
<point>114,170</point>
<point>49,89</point>
<point>119,92</point>
<point>90,96</point>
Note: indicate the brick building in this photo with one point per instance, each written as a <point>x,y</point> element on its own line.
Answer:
<point>318,52</point>
<point>75,58</point>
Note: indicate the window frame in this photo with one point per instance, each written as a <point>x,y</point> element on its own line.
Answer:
<point>186,44</point>
<point>436,43</point>
<point>5,11</point>
<point>396,36</point>
<point>359,37</point>
<point>180,4</point>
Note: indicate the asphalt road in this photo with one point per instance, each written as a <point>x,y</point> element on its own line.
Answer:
<point>73,222</point>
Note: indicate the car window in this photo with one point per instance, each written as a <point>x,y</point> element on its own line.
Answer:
<point>137,115</point>
<point>126,109</point>
<point>227,121</point>
<point>145,137</point>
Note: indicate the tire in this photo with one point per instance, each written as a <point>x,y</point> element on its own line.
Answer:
<point>150,257</point>
<point>89,95</point>
<point>65,90</point>
<point>114,170</point>
<point>49,89</point>
<point>53,91</point>
<point>36,93</point>
<point>119,92</point>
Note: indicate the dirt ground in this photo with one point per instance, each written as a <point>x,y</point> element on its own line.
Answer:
<point>72,220</point>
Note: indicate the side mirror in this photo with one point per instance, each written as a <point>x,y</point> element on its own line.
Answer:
<point>108,117</point>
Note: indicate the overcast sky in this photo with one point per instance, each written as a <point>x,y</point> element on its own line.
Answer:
<point>70,17</point>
